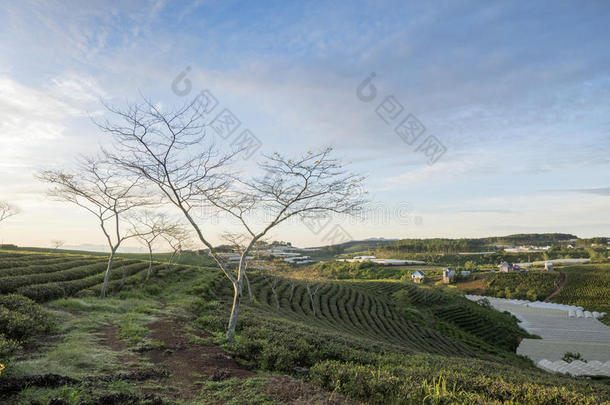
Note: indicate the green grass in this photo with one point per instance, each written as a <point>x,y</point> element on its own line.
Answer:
<point>235,391</point>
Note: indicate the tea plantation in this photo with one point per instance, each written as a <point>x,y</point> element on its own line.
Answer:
<point>342,341</point>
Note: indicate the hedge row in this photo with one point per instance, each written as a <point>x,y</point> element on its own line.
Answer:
<point>55,290</point>
<point>130,279</point>
<point>59,265</point>
<point>11,284</point>
<point>28,261</point>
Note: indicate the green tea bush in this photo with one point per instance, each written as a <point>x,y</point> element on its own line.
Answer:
<point>20,319</point>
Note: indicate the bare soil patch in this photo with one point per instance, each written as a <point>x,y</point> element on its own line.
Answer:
<point>475,287</point>
<point>186,362</point>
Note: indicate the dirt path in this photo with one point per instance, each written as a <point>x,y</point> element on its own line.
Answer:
<point>562,283</point>
<point>189,363</point>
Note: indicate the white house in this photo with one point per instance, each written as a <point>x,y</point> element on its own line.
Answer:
<point>418,276</point>
<point>548,266</point>
<point>506,267</point>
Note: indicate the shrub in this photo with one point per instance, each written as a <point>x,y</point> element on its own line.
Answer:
<point>20,319</point>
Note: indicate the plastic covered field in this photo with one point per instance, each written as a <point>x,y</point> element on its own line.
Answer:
<point>563,329</point>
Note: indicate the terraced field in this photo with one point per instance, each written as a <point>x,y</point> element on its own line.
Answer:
<point>43,277</point>
<point>435,322</point>
<point>588,286</point>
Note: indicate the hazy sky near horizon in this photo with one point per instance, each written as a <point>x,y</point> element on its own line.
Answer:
<point>518,93</point>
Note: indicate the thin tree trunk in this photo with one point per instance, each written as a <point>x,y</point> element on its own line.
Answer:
<point>107,275</point>
<point>123,279</point>
<point>292,286</point>
<point>277,300</point>
<point>249,289</point>
<point>234,311</point>
<point>150,257</point>
<point>311,295</point>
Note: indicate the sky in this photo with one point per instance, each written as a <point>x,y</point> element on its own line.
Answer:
<point>510,102</point>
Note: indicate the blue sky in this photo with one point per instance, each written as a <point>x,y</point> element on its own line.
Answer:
<point>517,92</point>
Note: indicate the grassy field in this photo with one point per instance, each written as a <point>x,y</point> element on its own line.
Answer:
<point>300,341</point>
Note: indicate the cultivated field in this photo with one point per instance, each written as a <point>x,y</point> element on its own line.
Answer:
<point>43,277</point>
<point>299,341</point>
<point>588,286</point>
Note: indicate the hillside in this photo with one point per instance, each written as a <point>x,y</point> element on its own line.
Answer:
<point>374,341</point>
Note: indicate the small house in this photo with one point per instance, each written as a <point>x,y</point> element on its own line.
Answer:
<point>418,276</point>
<point>465,273</point>
<point>506,267</point>
<point>548,266</point>
<point>448,275</point>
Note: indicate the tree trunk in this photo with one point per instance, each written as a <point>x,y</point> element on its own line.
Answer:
<point>249,289</point>
<point>107,275</point>
<point>123,279</point>
<point>311,295</point>
<point>149,262</point>
<point>277,299</point>
<point>274,284</point>
<point>234,311</point>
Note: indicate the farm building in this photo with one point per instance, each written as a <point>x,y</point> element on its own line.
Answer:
<point>418,276</point>
<point>506,267</point>
<point>548,266</point>
<point>448,275</point>
<point>464,273</point>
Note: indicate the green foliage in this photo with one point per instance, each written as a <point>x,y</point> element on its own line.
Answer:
<point>531,286</point>
<point>357,270</point>
<point>439,245</point>
<point>587,286</point>
<point>234,391</point>
<point>421,380</point>
<point>569,357</point>
<point>20,320</point>
<point>387,342</point>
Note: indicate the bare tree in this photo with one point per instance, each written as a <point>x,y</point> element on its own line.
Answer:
<point>150,226</point>
<point>7,210</point>
<point>168,149</point>
<point>311,185</point>
<point>57,243</point>
<point>273,283</point>
<point>293,285</point>
<point>98,188</point>
<point>178,240</point>
<point>312,292</point>
<point>238,243</point>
